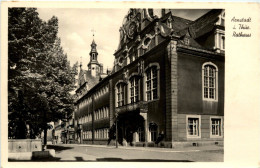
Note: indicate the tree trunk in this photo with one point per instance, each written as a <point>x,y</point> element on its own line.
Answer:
<point>45,133</point>
<point>45,138</point>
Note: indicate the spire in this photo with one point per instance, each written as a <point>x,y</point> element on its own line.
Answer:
<point>93,44</point>
<point>80,62</point>
<point>93,31</point>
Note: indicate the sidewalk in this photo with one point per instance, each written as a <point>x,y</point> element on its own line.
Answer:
<point>157,149</point>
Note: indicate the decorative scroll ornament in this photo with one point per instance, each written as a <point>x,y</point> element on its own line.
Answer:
<point>120,61</point>
<point>122,34</point>
<point>221,18</point>
<point>156,28</point>
<point>131,25</point>
<point>148,15</point>
<point>164,30</point>
<point>146,41</point>
<point>141,67</point>
<point>132,29</point>
<point>125,74</point>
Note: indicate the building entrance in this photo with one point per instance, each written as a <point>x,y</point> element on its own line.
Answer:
<point>128,125</point>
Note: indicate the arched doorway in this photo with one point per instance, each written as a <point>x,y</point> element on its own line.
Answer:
<point>128,125</point>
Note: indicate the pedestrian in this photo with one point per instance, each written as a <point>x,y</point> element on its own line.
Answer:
<point>160,138</point>
<point>111,135</point>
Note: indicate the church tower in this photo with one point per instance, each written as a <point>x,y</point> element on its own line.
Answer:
<point>93,64</point>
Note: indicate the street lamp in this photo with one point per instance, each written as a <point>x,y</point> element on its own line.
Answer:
<point>80,132</point>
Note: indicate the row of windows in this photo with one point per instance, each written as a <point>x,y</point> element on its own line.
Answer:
<point>85,102</point>
<point>101,133</point>
<point>101,113</point>
<point>87,135</point>
<point>210,88</point>
<point>87,118</point>
<point>82,91</point>
<point>101,92</point>
<point>153,133</point>
<point>194,127</point>
<point>151,87</point>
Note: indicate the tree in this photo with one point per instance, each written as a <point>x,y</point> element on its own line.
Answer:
<point>40,77</point>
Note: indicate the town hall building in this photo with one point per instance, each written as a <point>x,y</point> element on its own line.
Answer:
<point>167,85</point>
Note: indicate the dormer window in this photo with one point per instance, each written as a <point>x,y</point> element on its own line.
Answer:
<point>219,40</point>
<point>169,22</point>
<point>120,61</point>
<point>186,41</point>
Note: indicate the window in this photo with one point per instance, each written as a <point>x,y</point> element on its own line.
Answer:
<point>216,127</point>
<point>151,83</point>
<point>134,90</point>
<point>120,94</point>
<point>153,131</point>
<point>140,132</point>
<point>186,41</point>
<point>193,126</point>
<point>209,81</point>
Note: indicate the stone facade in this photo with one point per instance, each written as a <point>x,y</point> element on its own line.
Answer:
<point>166,87</point>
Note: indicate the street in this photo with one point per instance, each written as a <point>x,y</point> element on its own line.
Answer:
<point>88,153</point>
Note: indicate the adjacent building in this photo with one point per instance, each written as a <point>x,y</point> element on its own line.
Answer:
<point>166,87</point>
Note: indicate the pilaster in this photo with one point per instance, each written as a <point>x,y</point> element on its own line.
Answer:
<point>111,103</point>
<point>171,92</point>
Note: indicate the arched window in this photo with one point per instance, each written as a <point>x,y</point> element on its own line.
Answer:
<point>134,89</point>
<point>151,83</point>
<point>154,131</point>
<point>210,77</point>
<point>120,94</point>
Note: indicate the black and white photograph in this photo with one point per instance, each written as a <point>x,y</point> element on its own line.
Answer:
<point>104,84</point>
<point>130,84</point>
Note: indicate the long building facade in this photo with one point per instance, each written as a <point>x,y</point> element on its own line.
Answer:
<point>167,85</point>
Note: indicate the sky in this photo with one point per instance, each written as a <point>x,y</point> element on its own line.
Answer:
<point>76,27</point>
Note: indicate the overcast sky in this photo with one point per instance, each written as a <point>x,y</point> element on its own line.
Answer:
<point>75,27</point>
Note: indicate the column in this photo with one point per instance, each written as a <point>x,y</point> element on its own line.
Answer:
<point>135,137</point>
<point>146,129</point>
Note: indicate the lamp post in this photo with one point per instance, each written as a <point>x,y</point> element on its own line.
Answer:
<point>116,132</point>
<point>80,132</point>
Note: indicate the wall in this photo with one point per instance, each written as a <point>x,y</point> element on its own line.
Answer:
<point>24,145</point>
<point>205,129</point>
<point>207,41</point>
<point>190,86</point>
<point>156,108</point>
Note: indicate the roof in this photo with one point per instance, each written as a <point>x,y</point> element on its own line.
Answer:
<point>204,24</point>
<point>178,22</point>
<point>93,46</point>
<point>92,81</point>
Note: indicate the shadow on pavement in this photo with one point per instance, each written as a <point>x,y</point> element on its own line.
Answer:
<point>49,159</point>
<point>80,159</point>
<point>137,160</point>
<point>58,148</point>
